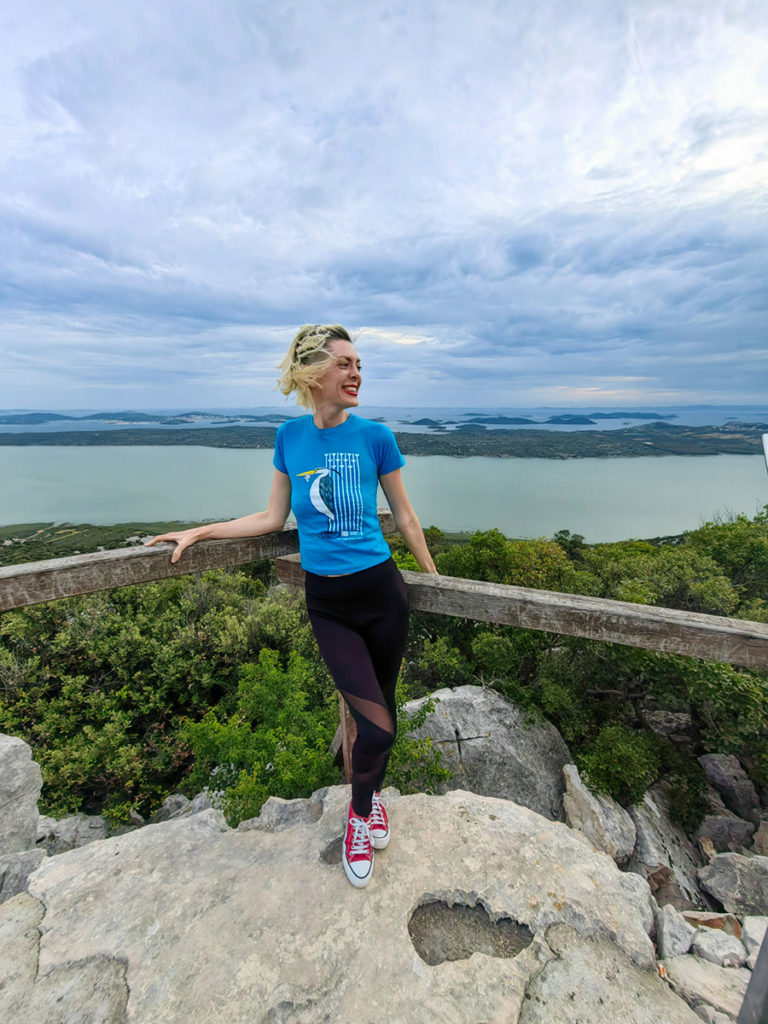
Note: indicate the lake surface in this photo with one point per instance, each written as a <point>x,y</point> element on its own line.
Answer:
<point>603,499</point>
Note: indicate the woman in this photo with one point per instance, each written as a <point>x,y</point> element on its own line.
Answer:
<point>327,469</point>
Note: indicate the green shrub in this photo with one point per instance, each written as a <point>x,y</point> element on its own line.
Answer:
<point>687,786</point>
<point>621,763</point>
<point>273,744</point>
<point>439,664</point>
<point>740,549</point>
<point>416,765</point>
<point>542,564</point>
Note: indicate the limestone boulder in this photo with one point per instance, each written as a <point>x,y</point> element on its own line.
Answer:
<point>202,922</point>
<point>20,785</point>
<point>277,814</point>
<point>739,883</point>
<point>673,933</point>
<point>495,749</point>
<point>730,780</point>
<point>172,807</point>
<point>15,869</point>
<point>718,947</point>
<point>598,816</point>
<point>663,854</point>
<point>760,840</point>
<point>591,980</point>
<point>702,983</point>
<point>753,934</point>
<point>727,923</point>
<point>675,725</point>
<point>179,806</point>
<point>726,832</point>
<point>55,837</point>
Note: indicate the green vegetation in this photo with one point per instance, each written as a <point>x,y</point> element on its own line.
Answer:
<point>597,694</point>
<point>214,680</point>
<point>34,542</point>
<point>206,680</point>
<point>645,439</point>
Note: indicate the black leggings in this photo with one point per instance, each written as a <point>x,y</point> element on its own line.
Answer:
<point>360,622</point>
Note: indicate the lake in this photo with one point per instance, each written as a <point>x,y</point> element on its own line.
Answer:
<point>603,499</point>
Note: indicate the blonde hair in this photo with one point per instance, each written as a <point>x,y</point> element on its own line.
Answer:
<point>307,360</point>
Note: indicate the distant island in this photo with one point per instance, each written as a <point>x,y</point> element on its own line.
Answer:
<point>38,418</point>
<point>35,419</point>
<point>468,439</point>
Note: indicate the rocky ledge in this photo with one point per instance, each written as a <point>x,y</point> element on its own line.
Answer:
<point>479,910</point>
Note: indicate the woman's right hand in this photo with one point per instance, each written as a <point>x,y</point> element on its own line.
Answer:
<point>183,539</point>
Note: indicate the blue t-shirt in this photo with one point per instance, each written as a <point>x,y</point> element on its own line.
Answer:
<point>334,476</point>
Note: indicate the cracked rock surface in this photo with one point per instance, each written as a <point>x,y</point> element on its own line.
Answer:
<point>88,991</point>
<point>591,980</point>
<point>189,920</point>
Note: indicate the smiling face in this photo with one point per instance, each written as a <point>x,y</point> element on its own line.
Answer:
<point>339,385</point>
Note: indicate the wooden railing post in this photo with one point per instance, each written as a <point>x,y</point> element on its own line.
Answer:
<point>348,736</point>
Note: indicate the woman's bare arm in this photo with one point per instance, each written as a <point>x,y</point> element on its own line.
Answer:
<point>405,519</point>
<point>254,525</point>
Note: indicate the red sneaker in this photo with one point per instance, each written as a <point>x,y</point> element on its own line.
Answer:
<point>378,823</point>
<point>357,851</point>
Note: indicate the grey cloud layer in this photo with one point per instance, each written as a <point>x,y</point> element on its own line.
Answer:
<point>548,196</point>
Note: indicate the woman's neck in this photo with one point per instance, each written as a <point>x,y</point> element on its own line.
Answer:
<point>326,416</point>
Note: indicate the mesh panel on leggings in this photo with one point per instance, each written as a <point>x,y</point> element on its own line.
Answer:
<point>361,624</point>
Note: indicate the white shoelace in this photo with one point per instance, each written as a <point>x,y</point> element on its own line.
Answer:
<point>376,818</point>
<point>361,840</point>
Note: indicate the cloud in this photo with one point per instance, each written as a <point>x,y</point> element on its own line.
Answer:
<point>522,196</point>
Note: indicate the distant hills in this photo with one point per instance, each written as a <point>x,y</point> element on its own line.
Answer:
<point>36,418</point>
<point>182,419</point>
<point>658,438</point>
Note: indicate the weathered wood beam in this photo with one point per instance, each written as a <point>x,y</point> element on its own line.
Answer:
<point>54,578</point>
<point>711,637</point>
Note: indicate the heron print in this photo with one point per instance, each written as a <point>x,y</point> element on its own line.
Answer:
<point>334,490</point>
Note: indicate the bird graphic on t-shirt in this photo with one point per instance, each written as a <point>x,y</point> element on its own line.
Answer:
<point>321,490</point>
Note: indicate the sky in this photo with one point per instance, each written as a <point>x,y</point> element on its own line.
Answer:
<point>509,204</point>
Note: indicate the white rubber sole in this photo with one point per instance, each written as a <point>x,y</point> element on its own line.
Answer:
<point>356,880</point>
<point>381,844</point>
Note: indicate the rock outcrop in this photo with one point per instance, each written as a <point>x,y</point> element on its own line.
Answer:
<point>21,784</point>
<point>673,933</point>
<point>726,832</point>
<point>190,920</point>
<point>739,883</point>
<point>495,749</point>
<point>58,836</point>
<point>591,980</point>
<point>730,780</point>
<point>705,985</point>
<point>480,910</point>
<point>754,931</point>
<point>599,817</point>
<point>15,869</point>
<point>663,853</point>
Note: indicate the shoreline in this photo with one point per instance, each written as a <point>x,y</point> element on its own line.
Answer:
<point>656,439</point>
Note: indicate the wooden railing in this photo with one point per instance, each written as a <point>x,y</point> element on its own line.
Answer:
<point>711,637</point>
<point>714,638</point>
